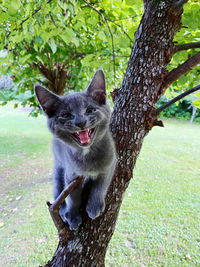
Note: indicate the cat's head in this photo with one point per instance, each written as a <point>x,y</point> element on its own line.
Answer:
<point>79,119</point>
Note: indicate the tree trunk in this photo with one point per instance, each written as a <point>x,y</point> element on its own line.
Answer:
<point>131,121</point>
<point>194,109</point>
<point>56,78</point>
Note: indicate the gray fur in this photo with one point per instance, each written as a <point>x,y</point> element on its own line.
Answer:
<point>95,160</point>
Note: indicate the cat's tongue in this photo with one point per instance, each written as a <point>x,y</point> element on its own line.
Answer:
<point>84,137</point>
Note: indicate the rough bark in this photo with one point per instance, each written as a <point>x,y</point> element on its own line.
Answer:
<point>134,102</point>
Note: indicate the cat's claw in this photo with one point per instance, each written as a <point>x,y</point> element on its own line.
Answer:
<point>62,215</point>
<point>94,210</point>
<point>74,221</point>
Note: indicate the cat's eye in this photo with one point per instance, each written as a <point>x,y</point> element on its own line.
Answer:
<point>89,110</point>
<point>67,115</point>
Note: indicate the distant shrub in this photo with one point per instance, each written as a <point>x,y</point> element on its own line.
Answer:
<point>6,82</point>
<point>181,110</point>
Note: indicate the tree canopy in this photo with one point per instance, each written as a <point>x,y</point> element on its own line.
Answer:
<point>61,43</point>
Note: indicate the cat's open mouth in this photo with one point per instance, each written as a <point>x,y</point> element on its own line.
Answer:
<point>84,137</point>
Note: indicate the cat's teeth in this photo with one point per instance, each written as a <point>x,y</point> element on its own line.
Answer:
<point>88,130</point>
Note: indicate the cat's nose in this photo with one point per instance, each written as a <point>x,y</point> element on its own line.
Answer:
<point>80,123</point>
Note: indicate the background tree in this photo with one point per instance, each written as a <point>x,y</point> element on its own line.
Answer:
<point>145,80</point>
<point>60,43</point>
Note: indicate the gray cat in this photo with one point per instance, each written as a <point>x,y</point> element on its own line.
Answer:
<point>82,145</point>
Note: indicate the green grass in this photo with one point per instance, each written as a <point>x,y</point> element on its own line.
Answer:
<point>159,222</point>
<point>25,176</point>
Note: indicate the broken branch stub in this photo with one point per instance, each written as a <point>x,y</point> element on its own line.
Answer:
<point>55,206</point>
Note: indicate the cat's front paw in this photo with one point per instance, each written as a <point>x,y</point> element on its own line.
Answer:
<point>94,209</point>
<point>74,220</point>
<point>62,213</point>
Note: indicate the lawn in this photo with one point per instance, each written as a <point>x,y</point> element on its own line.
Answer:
<point>159,221</point>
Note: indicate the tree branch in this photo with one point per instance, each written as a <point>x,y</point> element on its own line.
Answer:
<point>113,49</point>
<point>160,109</point>
<point>55,206</point>
<point>106,18</point>
<point>24,20</point>
<point>178,48</point>
<point>180,70</point>
<point>178,5</point>
<point>126,18</point>
<point>51,16</point>
<point>34,12</point>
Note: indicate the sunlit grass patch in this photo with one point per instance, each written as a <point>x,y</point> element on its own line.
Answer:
<point>159,221</point>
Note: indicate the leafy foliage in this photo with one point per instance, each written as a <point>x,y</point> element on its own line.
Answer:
<point>190,32</point>
<point>181,110</point>
<point>61,43</point>
<point>45,38</point>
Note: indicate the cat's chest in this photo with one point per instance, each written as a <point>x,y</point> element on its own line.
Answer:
<point>87,162</point>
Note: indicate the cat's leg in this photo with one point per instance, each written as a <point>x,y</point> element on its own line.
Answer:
<point>96,201</point>
<point>73,216</point>
<point>59,185</point>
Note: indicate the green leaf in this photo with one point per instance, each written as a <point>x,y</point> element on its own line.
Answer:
<point>3,16</point>
<point>92,20</point>
<point>13,7</point>
<point>196,103</point>
<point>53,45</point>
<point>87,59</point>
<point>197,94</point>
<point>130,2</point>
<point>39,59</point>
<point>68,36</point>
<point>2,97</point>
<point>102,36</point>
<point>16,105</point>
<point>24,59</point>
<point>16,4</point>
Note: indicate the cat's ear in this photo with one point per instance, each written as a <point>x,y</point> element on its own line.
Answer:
<point>48,100</point>
<point>97,87</point>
